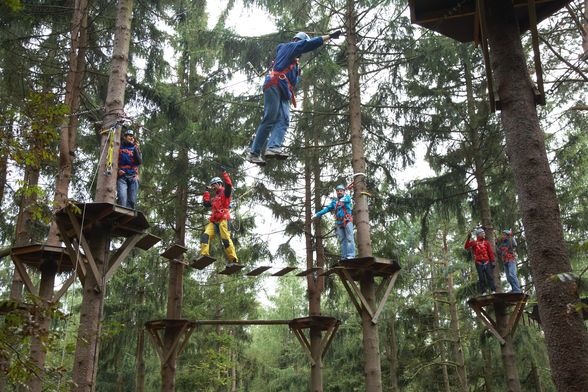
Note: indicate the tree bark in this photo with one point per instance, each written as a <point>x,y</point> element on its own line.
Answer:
<point>371,339</point>
<point>457,345</point>
<point>114,105</point>
<point>585,36</point>
<point>536,377</point>
<point>175,290</point>
<point>68,131</point>
<point>487,358</point>
<point>315,284</point>
<point>393,355</point>
<point>507,350</point>
<point>476,121</point>
<point>140,360</point>
<point>87,345</point>
<point>565,333</point>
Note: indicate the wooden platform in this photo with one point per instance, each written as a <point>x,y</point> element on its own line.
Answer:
<point>499,301</point>
<point>258,271</point>
<point>36,255</point>
<point>174,251</point>
<point>376,265</point>
<point>232,269</point>
<point>124,222</point>
<point>284,271</point>
<point>457,19</point>
<point>147,242</point>
<point>202,262</point>
<point>323,322</point>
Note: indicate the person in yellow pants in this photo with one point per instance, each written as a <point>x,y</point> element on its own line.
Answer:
<point>219,202</point>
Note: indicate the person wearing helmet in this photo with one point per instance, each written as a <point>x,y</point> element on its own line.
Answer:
<point>506,250</point>
<point>343,221</point>
<point>278,91</point>
<point>129,159</point>
<point>484,258</point>
<point>219,202</point>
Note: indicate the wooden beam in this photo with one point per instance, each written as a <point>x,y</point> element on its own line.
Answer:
<point>175,342</point>
<point>330,334</point>
<point>351,293</point>
<point>488,323</point>
<point>384,298</point>
<point>486,55</point>
<point>157,343</point>
<point>57,296</point>
<point>24,275</point>
<point>85,246</point>
<point>304,343</point>
<point>357,291</point>
<point>187,335</point>
<point>117,258</point>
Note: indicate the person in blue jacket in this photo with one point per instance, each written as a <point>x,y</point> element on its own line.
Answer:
<point>343,221</point>
<point>129,159</point>
<point>278,91</point>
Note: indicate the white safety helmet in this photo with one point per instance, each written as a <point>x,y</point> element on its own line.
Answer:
<point>301,36</point>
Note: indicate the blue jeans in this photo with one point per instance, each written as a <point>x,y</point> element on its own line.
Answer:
<point>485,277</point>
<point>345,235</point>
<point>510,269</point>
<point>126,189</point>
<point>276,118</point>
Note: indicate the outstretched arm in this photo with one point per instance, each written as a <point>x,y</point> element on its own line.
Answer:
<point>228,184</point>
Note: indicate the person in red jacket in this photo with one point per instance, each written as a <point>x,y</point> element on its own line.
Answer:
<point>219,201</point>
<point>484,257</point>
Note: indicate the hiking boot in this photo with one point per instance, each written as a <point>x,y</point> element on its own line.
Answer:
<point>255,159</point>
<point>232,264</point>
<point>277,153</point>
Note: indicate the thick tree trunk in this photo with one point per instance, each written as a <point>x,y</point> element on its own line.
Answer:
<point>87,346</point>
<point>175,289</point>
<point>392,354</point>
<point>585,37</point>
<point>509,359</point>
<point>114,105</point>
<point>3,176</point>
<point>140,360</point>
<point>487,358</point>
<point>477,120</point>
<point>439,336</point>
<point>68,131</point>
<point>66,152</point>
<point>88,340</point>
<point>565,332</point>
<point>43,318</point>
<point>315,284</point>
<point>371,339</point>
<point>536,377</point>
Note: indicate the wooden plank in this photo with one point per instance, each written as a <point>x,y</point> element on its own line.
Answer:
<point>202,262</point>
<point>309,271</point>
<point>119,256</point>
<point>258,271</point>
<point>284,271</point>
<point>304,343</point>
<point>174,251</point>
<point>232,269</point>
<point>24,275</point>
<point>147,242</point>
<point>157,343</point>
<point>384,298</point>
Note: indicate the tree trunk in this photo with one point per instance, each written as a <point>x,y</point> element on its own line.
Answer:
<point>88,340</point>
<point>315,284</point>
<point>509,359</point>
<point>3,176</point>
<point>87,345</point>
<point>487,358</point>
<point>68,131</point>
<point>175,290</point>
<point>536,377</point>
<point>438,335</point>
<point>393,354</point>
<point>476,122</point>
<point>140,360</point>
<point>43,318</point>
<point>565,332</point>
<point>457,346</point>
<point>585,37</point>
<point>114,105</point>
<point>233,371</point>
<point>371,339</point>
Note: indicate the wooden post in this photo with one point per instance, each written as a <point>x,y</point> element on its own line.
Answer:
<point>507,350</point>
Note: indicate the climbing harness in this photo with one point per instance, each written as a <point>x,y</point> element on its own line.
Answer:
<point>276,76</point>
<point>110,152</point>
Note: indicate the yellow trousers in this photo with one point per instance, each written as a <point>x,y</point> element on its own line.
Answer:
<point>208,236</point>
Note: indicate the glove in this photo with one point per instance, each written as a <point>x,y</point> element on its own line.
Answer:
<point>335,34</point>
<point>206,196</point>
<point>315,216</point>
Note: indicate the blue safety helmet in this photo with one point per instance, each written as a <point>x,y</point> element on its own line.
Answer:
<point>301,36</point>
<point>215,180</point>
<point>340,187</point>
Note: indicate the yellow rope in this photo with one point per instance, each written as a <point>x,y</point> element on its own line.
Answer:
<point>110,151</point>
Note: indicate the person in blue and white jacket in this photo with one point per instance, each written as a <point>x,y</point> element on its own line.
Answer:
<point>342,207</point>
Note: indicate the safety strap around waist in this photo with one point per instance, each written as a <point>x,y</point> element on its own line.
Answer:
<point>276,76</point>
